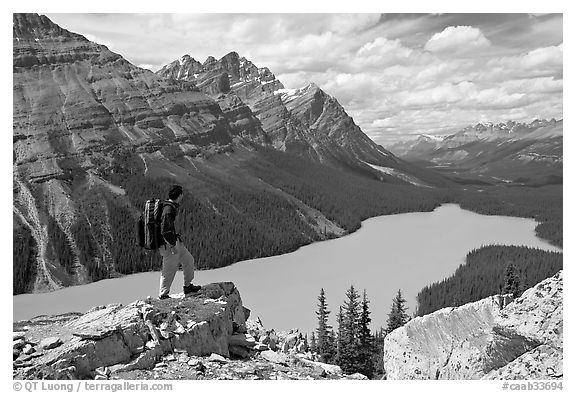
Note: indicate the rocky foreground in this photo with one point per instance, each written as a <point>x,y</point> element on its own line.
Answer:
<point>209,336</point>
<point>204,336</point>
<point>494,338</point>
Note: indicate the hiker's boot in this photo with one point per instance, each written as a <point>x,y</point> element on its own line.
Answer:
<point>191,288</point>
<point>163,297</point>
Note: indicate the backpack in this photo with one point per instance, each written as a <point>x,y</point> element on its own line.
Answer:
<point>148,231</point>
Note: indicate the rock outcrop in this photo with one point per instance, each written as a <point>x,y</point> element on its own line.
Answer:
<point>204,336</point>
<point>486,339</point>
<point>134,336</point>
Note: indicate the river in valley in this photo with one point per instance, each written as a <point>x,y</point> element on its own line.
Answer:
<point>404,251</point>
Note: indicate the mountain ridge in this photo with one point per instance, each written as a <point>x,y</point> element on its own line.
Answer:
<point>524,153</point>
<point>305,121</point>
<point>94,136</point>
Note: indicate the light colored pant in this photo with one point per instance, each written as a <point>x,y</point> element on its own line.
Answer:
<point>171,263</point>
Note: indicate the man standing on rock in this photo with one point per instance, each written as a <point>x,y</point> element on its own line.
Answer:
<point>172,250</point>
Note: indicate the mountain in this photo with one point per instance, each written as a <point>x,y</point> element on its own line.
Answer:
<point>416,147</point>
<point>95,136</point>
<point>306,121</point>
<point>508,152</point>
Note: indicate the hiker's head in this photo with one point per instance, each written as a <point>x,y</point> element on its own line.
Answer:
<point>175,193</point>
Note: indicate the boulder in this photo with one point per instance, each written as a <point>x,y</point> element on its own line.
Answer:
<point>216,358</point>
<point>274,357</point>
<point>242,340</point>
<point>193,362</point>
<point>290,341</point>
<point>50,343</point>
<point>261,347</point>
<point>357,376</point>
<point>18,335</point>
<point>28,349</point>
<point>19,344</point>
<point>480,339</point>
<point>331,369</point>
<point>239,351</point>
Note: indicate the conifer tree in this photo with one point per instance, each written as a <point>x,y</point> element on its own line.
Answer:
<point>339,338</point>
<point>349,345</point>
<point>512,280</point>
<point>313,348</point>
<point>325,335</point>
<point>365,339</point>
<point>378,354</point>
<point>397,316</point>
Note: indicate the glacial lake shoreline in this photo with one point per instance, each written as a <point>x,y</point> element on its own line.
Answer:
<point>404,251</point>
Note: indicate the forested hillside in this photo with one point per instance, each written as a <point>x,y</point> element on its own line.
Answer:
<point>228,222</point>
<point>484,275</point>
<point>544,204</point>
<point>23,259</point>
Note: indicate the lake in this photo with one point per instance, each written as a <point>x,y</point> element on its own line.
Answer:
<point>404,251</point>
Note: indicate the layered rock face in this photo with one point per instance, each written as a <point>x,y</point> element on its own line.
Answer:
<point>72,95</point>
<point>307,121</point>
<point>76,104</point>
<point>485,339</point>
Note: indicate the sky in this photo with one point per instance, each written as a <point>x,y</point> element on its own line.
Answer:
<point>395,74</point>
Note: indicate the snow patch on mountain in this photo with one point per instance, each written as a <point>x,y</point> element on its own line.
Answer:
<point>398,174</point>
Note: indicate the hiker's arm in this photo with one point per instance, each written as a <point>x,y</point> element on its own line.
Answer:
<point>167,227</point>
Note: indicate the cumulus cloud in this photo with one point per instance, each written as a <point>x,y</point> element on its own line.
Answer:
<point>383,52</point>
<point>457,39</point>
<point>550,57</point>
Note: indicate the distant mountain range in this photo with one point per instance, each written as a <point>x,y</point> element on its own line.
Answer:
<point>504,152</point>
<point>268,169</point>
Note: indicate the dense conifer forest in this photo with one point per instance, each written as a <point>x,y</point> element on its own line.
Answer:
<point>484,274</point>
<point>24,259</point>
<point>544,204</point>
<point>230,222</point>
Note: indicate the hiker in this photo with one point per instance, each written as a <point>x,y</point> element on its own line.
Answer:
<point>172,250</point>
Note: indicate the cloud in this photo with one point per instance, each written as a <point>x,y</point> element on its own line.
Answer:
<point>550,57</point>
<point>352,23</point>
<point>457,39</point>
<point>383,52</point>
<point>394,74</point>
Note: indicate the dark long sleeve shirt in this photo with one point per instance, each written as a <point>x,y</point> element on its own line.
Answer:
<point>167,228</point>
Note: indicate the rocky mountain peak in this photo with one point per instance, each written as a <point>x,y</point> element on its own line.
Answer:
<point>209,60</point>
<point>217,76</point>
<point>184,68</point>
<point>30,26</point>
<point>231,56</point>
